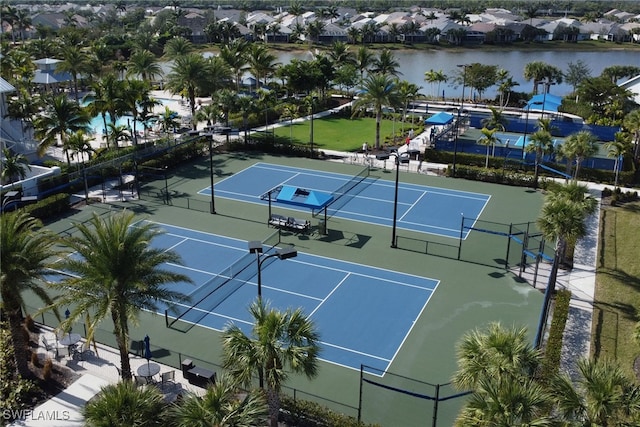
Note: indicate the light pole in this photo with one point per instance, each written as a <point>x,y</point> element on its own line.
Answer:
<point>312,102</point>
<point>399,159</point>
<point>455,140</point>
<point>213,206</point>
<point>255,247</point>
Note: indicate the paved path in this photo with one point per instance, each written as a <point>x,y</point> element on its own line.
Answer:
<point>96,371</point>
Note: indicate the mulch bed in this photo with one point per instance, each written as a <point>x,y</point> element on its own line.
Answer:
<point>61,377</point>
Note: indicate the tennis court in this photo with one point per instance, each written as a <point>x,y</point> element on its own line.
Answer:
<point>363,313</point>
<point>420,208</point>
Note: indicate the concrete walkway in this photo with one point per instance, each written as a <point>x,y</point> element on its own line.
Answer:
<point>96,371</point>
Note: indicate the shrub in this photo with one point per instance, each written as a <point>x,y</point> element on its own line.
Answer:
<point>47,369</point>
<point>553,349</point>
<point>303,413</point>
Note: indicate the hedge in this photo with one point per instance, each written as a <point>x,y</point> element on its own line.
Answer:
<point>303,413</point>
<point>49,207</point>
<point>553,349</point>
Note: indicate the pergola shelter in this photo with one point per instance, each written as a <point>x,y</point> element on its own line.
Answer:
<point>316,201</point>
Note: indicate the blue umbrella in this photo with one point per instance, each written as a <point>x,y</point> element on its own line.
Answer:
<point>147,349</point>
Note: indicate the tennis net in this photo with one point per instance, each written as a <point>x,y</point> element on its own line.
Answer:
<point>214,292</point>
<point>344,190</point>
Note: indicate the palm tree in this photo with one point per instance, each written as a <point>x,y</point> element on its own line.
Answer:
<point>314,30</point>
<point>541,143</point>
<point>76,62</point>
<point>188,74</point>
<point>208,113</point>
<point>354,34</point>
<point>386,63</point>
<point>24,108</point>
<point>378,90</point>
<point>616,149</point>
<point>235,55</point>
<point>488,139</point>
<point>80,144</point>
<point>509,402</point>
<point>117,273</point>
<point>123,405</point>
<point>433,77</point>
<point>498,365</point>
<point>603,395</point>
<point>14,165</point>
<point>364,60</point>
<point>494,353</point>
<point>281,342</point>
<point>25,251</point>
<point>177,47</point>
<point>289,111</point>
<point>578,147</point>
<point>631,123</point>
<point>61,117</point>
<point>496,120</point>
<point>407,93</point>
<point>221,405</point>
<point>143,63</point>
<point>341,55</point>
<point>562,220</point>
<point>137,95</point>
<point>246,105</point>
<point>118,134</point>
<point>168,120</point>
<point>261,62</point>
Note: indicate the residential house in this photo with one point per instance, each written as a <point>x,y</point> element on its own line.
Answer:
<point>633,85</point>
<point>197,23</point>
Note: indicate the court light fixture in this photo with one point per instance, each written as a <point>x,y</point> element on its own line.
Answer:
<point>213,202</point>
<point>255,247</point>
<point>457,127</point>
<point>400,158</point>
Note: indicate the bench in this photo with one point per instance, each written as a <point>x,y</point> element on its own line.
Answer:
<point>278,221</point>
<point>298,224</point>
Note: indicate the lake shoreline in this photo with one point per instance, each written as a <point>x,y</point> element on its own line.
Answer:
<point>585,46</point>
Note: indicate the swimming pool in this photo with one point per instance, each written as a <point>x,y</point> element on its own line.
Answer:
<point>97,124</point>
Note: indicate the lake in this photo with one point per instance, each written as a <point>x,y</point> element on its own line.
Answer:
<point>413,65</point>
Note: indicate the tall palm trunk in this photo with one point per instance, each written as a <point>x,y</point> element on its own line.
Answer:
<point>273,400</point>
<point>121,339</point>
<point>17,331</point>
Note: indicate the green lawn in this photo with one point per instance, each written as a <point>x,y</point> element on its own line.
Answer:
<point>333,133</point>
<point>617,296</point>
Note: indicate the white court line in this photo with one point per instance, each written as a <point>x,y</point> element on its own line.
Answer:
<point>350,350</point>
<point>412,205</point>
<point>330,293</point>
<point>347,272</point>
<point>414,323</point>
<point>193,239</point>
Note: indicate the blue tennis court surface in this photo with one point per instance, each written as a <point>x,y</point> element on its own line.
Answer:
<point>363,314</point>
<point>420,208</point>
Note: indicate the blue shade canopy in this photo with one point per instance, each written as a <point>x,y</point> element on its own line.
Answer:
<point>544,102</point>
<point>304,198</point>
<point>441,118</point>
